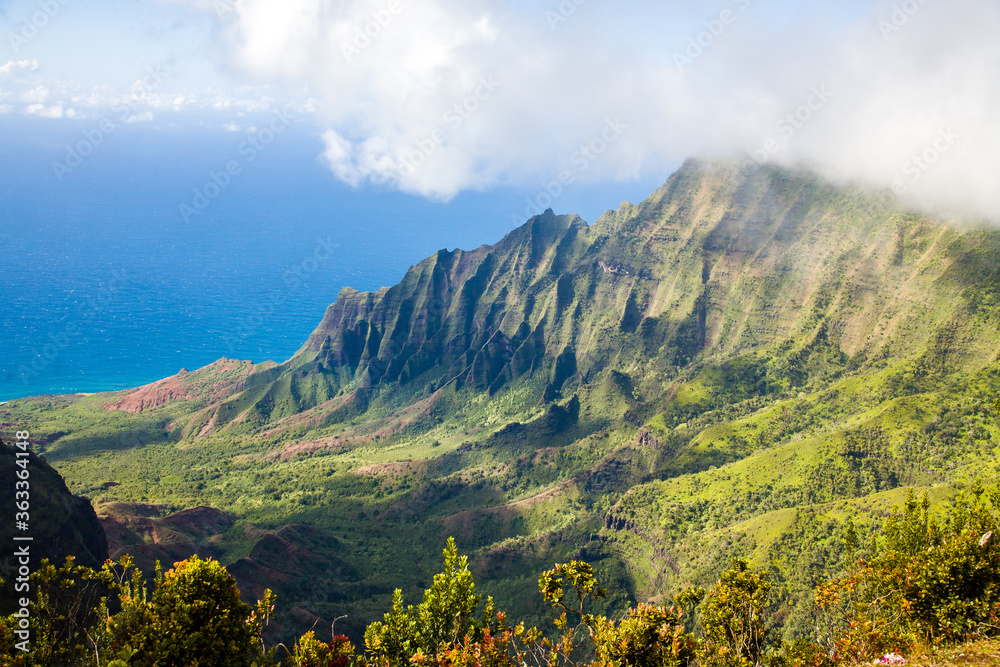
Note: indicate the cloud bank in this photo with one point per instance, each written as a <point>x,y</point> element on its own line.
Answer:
<point>438,96</point>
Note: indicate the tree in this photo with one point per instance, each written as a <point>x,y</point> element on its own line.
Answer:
<point>445,617</point>
<point>732,617</point>
<point>580,577</point>
<point>311,652</point>
<point>195,617</point>
<point>66,606</point>
<point>648,636</point>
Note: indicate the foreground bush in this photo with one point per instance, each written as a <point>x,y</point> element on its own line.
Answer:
<point>923,583</point>
<point>310,652</point>
<point>192,616</point>
<point>733,618</point>
<point>446,616</point>
<point>927,584</point>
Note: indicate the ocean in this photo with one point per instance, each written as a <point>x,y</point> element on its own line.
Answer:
<point>106,284</point>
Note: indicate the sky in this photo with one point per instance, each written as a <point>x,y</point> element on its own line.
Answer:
<point>440,97</point>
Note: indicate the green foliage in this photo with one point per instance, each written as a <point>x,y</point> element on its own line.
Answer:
<point>446,615</point>
<point>580,578</point>
<point>840,366</point>
<point>501,647</point>
<point>193,616</point>
<point>733,618</point>
<point>863,464</point>
<point>67,605</point>
<point>801,653</point>
<point>851,540</point>
<point>310,652</point>
<point>927,583</point>
<point>649,636</point>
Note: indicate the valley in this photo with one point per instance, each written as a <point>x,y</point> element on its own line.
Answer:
<point>734,367</point>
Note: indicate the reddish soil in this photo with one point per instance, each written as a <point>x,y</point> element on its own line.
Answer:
<point>129,526</point>
<point>152,396</point>
<point>203,383</point>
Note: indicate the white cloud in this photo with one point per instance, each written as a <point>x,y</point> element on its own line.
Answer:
<point>340,157</point>
<point>54,111</point>
<point>142,117</point>
<point>398,87</point>
<point>437,96</point>
<point>36,94</point>
<point>12,66</point>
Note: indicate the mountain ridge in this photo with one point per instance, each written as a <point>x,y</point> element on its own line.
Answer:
<point>429,321</point>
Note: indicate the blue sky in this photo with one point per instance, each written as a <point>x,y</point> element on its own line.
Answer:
<point>445,96</point>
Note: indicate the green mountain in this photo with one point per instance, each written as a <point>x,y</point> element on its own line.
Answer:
<point>732,367</point>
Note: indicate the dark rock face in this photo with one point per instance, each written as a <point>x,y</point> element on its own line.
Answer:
<point>60,523</point>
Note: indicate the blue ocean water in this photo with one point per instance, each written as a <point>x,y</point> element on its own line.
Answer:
<point>104,285</point>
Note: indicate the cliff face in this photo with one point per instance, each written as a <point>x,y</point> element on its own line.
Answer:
<point>709,267</point>
<point>61,524</point>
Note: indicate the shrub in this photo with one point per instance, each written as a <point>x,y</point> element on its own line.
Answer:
<point>649,636</point>
<point>445,617</point>
<point>732,618</point>
<point>67,603</point>
<point>492,650</point>
<point>927,584</point>
<point>195,617</point>
<point>310,652</point>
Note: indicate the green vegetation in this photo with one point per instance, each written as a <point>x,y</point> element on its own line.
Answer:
<point>446,613</point>
<point>755,372</point>
<point>192,616</point>
<point>924,585</point>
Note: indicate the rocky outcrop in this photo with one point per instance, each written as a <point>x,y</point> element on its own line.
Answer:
<point>60,524</point>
